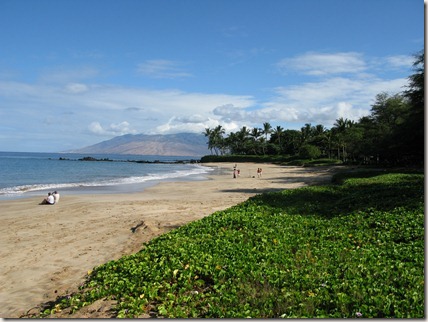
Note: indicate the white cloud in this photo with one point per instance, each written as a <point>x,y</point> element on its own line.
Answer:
<point>77,112</point>
<point>233,117</point>
<point>186,124</point>
<point>196,118</point>
<point>172,111</point>
<point>346,86</point>
<point>321,102</point>
<point>122,128</point>
<point>400,61</point>
<point>96,128</point>
<point>160,68</point>
<point>321,64</point>
<point>332,89</point>
<point>325,101</point>
<point>111,130</point>
<point>76,88</point>
<point>230,112</point>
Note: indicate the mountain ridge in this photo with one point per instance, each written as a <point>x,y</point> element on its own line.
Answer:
<point>180,144</point>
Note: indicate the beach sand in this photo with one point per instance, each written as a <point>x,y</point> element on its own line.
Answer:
<point>46,251</point>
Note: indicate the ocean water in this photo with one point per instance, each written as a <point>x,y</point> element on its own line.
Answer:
<point>34,174</point>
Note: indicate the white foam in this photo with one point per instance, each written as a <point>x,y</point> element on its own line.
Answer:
<point>195,170</point>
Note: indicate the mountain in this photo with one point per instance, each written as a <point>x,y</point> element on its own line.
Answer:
<point>181,144</point>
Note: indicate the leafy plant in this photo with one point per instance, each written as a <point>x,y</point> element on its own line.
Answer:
<point>308,151</point>
<point>354,249</point>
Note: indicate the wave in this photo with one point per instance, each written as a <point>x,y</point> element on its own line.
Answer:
<point>150,177</point>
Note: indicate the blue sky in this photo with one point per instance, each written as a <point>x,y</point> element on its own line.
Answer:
<point>77,72</point>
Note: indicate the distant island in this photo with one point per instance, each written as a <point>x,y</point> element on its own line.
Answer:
<point>181,144</point>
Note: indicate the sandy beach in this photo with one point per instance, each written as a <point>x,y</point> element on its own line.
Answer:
<point>47,250</point>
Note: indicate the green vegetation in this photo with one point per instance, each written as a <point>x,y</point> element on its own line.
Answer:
<point>277,159</point>
<point>393,134</point>
<point>350,249</point>
<point>244,158</point>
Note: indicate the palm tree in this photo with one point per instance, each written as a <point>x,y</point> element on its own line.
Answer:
<point>255,135</point>
<point>267,129</point>
<point>218,139</point>
<point>329,138</point>
<point>277,133</point>
<point>339,129</point>
<point>208,134</point>
<point>306,132</point>
<point>341,124</point>
<point>215,139</point>
<point>318,130</point>
<point>319,137</point>
<point>291,141</point>
<point>231,143</point>
<point>241,140</point>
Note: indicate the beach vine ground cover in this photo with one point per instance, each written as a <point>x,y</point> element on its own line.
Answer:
<point>351,249</point>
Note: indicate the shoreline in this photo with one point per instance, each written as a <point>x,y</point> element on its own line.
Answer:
<point>119,186</point>
<point>48,249</point>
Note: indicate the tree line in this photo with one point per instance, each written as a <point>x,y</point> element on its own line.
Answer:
<point>393,133</point>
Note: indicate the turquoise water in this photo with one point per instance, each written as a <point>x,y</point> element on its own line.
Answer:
<point>27,174</point>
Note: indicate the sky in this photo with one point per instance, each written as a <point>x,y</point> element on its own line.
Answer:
<point>77,72</point>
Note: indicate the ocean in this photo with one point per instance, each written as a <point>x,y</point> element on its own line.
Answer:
<point>24,174</point>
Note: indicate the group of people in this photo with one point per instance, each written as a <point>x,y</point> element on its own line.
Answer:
<point>237,172</point>
<point>51,199</point>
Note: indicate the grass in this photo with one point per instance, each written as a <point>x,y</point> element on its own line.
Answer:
<point>350,249</point>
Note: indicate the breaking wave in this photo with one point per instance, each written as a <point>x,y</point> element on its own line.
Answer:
<point>150,177</point>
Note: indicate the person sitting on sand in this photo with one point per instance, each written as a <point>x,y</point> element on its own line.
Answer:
<point>50,200</point>
<point>56,196</point>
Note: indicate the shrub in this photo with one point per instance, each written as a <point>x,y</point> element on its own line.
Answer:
<point>308,151</point>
